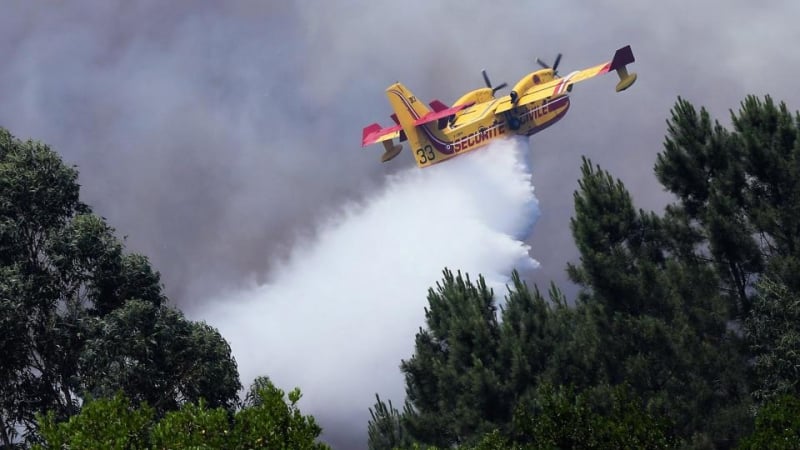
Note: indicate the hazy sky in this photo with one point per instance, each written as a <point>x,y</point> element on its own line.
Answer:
<point>215,135</point>
<point>212,133</point>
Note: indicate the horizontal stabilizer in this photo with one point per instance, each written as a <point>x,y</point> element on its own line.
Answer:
<point>374,133</point>
<point>437,106</point>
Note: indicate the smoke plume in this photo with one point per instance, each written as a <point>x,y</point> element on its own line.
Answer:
<point>341,312</point>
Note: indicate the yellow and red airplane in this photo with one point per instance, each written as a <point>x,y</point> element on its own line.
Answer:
<point>437,134</point>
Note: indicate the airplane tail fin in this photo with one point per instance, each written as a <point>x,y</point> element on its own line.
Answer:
<point>409,109</point>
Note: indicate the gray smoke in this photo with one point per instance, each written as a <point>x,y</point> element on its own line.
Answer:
<point>216,135</point>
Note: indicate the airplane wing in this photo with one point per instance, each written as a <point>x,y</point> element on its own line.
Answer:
<point>559,86</point>
<point>373,134</point>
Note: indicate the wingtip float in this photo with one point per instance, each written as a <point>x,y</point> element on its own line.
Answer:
<point>437,132</point>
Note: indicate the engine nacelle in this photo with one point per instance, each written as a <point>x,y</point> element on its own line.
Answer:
<point>529,81</point>
<point>477,96</point>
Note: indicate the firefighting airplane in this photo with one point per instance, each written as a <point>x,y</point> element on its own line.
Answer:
<point>537,101</point>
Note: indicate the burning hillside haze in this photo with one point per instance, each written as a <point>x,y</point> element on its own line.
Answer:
<point>216,135</point>
<point>339,315</point>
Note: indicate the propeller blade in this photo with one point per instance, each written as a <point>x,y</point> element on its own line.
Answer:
<point>542,63</point>
<point>489,83</point>
<point>555,64</point>
<point>500,86</point>
<point>486,78</point>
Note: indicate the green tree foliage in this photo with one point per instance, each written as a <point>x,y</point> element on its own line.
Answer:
<point>110,423</point>
<point>154,355</point>
<point>385,430</point>
<point>79,314</point>
<point>739,191</point>
<point>777,425</point>
<point>773,331</point>
<point>659,319</point>
<point>601,418</point>
<point>769,135</point>
<point>268,421</point>
<point>531,332</point>
<point>739,213</point>
<point>38,196</point>
<point>451,380</point>
<point>701,165</point>
<point>253,396</point>
<point>272,422</point>
<point>469,369</point>
<point>193,426</point>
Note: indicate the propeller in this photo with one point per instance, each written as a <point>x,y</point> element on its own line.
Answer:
<point>489,83</point>
<point>555,64</point>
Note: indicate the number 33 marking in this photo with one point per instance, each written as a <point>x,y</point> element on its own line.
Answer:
<point>426,154</point>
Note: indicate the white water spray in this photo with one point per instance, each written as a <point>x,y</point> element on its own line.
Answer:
<point>337,318</point>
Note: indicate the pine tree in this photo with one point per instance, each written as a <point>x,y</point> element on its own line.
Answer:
<point>452,383</point>
<point>738,191</point>
<point>770,141</point>
<point>654,322</point>
<point>470,369</point>
<point>739,214</point>
<point>531,331</point>
<point>385,430</point>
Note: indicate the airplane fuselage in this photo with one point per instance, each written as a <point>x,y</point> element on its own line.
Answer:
<point>477,126</point>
